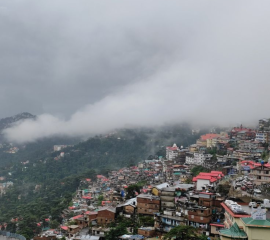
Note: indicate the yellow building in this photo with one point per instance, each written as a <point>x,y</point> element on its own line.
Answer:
<point>256,227</point>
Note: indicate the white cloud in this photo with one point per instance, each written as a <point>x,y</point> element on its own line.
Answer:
<point>148,63</point>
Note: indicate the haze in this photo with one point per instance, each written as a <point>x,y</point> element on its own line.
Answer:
<point>87,67</point>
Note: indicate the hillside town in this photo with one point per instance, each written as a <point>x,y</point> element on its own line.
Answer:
<point>228,200</point>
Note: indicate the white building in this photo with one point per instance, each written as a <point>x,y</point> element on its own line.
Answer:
<point>172,152</point>
<point>197,158</point>
<point>261,137</point>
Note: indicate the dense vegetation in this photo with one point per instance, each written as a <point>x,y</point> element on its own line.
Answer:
<point>44,184</point>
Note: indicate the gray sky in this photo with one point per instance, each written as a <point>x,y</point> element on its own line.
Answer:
<point>86,67</point>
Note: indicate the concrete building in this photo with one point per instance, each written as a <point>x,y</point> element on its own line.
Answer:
<point>172,152</point>
<point>106,215</point>
<point>197,158</point>
<point>262,137</point>
<point>240,225</point>
<point>148,204</point>
<point>203,180</point>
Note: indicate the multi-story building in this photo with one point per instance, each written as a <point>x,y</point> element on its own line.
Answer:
<point>242,133</point>
<point>197,158</point>
<point>200,217</point>
<point>249,145</point>
<point>233,213</point>
<point>207,179</point>
<point>262,137</point>
<point>260,172</point>
<point>106,215</point>
<point>207,140</point>
<point>165,221</point>
<point>148,204</point>
<point>241,225</point>
<point>181,156</point>
<point>167,198</point>
<point>172,152</point>
<point>264,124</point>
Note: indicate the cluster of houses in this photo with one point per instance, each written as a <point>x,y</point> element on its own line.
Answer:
<point>170,203</point>
<point>171,196</point>
<point>238,150</point>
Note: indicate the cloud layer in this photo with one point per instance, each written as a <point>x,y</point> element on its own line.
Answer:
<point>88,67</point>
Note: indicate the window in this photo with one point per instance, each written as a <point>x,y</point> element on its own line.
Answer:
<point>192,216</point>
<point>266,172</point>
<point>201,218</point>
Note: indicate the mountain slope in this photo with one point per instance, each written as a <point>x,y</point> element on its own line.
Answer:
<point>7,122</point>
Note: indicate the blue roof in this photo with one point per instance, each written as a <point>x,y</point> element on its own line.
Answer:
<point>137,237</point>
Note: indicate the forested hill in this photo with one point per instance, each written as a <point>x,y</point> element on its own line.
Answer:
<point>44,181</point>
<point>8,121</point>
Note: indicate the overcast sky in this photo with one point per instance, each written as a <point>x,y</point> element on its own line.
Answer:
<point>85,67</point>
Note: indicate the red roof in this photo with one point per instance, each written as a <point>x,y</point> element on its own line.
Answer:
<point>172,148</point>
<point>235,129</point>
<point>91,213</point>
<point>103,203</point>
<point>88,179</point>
<point>100,176</point>
<point>64,228</point>
<point>86,197</point>
<point>212,176</point>
<point>76,217</point>
<point>217,224</point>
<point>209,136</point>
<point>253,164</point>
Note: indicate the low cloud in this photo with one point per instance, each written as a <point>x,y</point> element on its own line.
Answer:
<point>159,63</point>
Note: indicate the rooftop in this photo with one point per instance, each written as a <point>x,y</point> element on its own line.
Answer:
<point>148,196</point>
<point>234,232</point>
<point>250,222</point>
<point>236,215</point>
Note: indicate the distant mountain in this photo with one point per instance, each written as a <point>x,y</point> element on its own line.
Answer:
<point>7,122</point>
<point>58,176</point>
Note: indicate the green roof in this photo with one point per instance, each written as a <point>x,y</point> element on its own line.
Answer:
<point>250,222</point>
<point>234,232</point>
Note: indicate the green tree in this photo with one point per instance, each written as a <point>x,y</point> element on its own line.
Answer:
<point>146,221</point>
<point>197,169</point>
<point>132,189</point>
<point>183,233</point>
<point>117,231</point>
<point>54,224</point>
<point>100,199</point>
